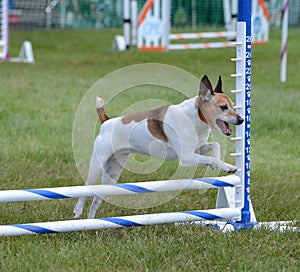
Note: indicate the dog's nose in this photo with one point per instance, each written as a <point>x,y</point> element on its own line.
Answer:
<point>240,120</point>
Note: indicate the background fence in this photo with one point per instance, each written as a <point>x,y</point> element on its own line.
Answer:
<point>194,14</point>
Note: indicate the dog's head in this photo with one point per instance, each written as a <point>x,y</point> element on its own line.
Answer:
<point>215,108</point>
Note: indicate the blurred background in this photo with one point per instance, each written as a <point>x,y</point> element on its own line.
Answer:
<point>99,14</point>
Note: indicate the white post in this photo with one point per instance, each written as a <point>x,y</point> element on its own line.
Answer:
<point>4,31</point>
<point>234,197</point>
<point>166,20</point>
<point>49,14</point>
<point>227,15</point>
<point>126,22</point>
<point>134,14</point>
<point>62,14</point>
<point>284,38</point>
<point>234,7</point>
<point>240,92</point>
<point>194,14</point>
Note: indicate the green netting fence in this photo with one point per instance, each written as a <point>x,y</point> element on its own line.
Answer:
<point>189,14</point>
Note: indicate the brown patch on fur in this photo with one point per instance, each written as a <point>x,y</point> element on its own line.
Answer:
<point>200,113</point>
<point>154,118</point>
<point>221,98</point>
<point>135,117</point>
<point>102,115</point>
<point>201,116</point>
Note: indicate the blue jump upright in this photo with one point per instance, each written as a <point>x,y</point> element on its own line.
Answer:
<point>244,15</point>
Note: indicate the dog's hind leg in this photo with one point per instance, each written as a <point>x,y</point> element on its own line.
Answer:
<point>94,172</point>
<point>111,173</point>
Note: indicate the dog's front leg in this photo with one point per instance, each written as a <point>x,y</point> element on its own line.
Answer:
<point>193,159</point>
<point>212,147</point>
<point>190,157</point>
<point>215,150</point>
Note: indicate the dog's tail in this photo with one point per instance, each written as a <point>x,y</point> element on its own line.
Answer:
<point>100,110</point>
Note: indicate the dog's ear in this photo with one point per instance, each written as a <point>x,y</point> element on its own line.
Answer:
<point>205,89</point>
<point>218,88</point>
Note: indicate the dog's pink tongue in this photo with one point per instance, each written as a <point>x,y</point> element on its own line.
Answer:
<point>225,127</point>
<point>228,130</point>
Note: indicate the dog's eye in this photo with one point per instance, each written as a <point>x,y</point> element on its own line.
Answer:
<point>224,107</point>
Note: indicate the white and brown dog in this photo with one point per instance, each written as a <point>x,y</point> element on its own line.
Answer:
<point>175,132</point>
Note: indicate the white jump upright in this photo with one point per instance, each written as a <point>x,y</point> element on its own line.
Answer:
<point>4,54</point>
<point>126,22</point>
<point>237,193</point>
<point>26,52</point>
<point>129,37</point>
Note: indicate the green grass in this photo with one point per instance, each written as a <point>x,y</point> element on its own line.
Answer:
<point>37,108</point>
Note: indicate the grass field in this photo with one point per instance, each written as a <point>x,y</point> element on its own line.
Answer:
<point>37,108</point>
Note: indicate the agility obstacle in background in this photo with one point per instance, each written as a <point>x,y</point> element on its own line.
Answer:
<point>284,39</point>
<point>26,52</point>
<point>260,22</point>
<point>4,31</point>
<point>130,22</point>
<point>155,19</point>
<point>233,208</point>
<point>260,19</point>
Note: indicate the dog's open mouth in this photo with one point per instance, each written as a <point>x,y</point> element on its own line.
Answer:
<point>224,126</point>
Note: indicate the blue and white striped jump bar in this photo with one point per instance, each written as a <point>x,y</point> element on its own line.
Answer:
<point>119,222</point>
<point>118,189</point>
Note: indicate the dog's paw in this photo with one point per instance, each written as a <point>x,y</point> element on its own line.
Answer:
<point>77,213</point>
<point>226,167</point>
<point>215,163</point>
<point>229,168</point>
